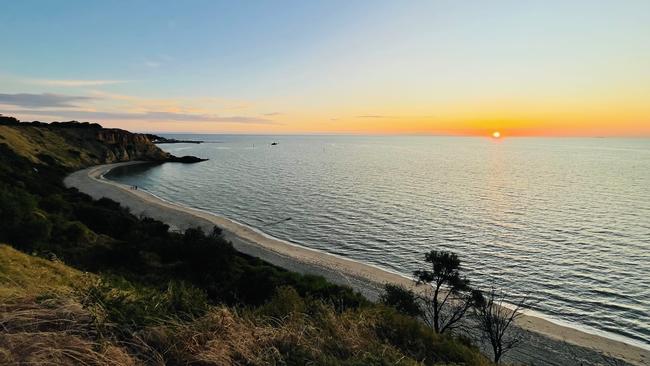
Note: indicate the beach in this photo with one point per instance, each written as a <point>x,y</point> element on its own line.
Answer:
<point>545,342</point>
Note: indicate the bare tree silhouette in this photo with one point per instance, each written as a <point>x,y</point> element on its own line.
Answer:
<point>495,319</point>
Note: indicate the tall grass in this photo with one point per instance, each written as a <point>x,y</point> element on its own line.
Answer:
<point>82,328</point>
<point>54,331</point>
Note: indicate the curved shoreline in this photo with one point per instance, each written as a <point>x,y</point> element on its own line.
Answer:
<point>546,336</point>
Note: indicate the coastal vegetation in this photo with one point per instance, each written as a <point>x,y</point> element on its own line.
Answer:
<point>495,319</point>
<point>449,303</point>
<point>447,294</point>
<point>84,281</point>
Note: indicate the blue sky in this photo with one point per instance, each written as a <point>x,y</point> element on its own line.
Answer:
<point>161,42</point>
<point>308,66</point>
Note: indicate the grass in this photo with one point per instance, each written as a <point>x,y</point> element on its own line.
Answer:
<point>76,147</point>
<point>54,331</point>
<point>34,143</point>
<point>22,275</point>
<point>41,322</point>
<point>52,314</point>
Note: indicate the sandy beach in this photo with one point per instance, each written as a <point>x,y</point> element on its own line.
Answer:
<point>545,342</point>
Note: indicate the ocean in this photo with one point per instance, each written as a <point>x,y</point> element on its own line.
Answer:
<point>563,221</point>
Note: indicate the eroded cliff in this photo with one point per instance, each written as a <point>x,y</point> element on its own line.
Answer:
<point>76,145</point>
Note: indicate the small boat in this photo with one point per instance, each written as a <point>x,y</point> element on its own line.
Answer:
<point>273,143</point>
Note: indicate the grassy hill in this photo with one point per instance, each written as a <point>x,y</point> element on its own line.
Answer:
<point>75,146</point>
<point>23,275</point>
<point>86,282</point>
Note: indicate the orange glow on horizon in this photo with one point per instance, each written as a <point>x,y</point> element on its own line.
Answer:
<point>397,129</point>
<point>512,118</point>
<point>304,124</point>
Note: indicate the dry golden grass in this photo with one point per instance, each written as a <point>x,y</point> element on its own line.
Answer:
<point>54,331</point>
<point>23,275</point>
<point>43,322</point>
<point>224,337</point>
<point>219,338</point>
<point>59,349</point>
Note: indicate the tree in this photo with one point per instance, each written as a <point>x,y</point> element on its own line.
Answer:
<point>447,296</point>
<point>495,320</point>
<point>402,299</point>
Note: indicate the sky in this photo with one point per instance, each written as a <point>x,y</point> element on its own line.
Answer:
<point>525,68</point>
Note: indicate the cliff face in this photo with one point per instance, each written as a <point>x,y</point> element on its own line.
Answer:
<point>77,145</point>
<point>123,146</point>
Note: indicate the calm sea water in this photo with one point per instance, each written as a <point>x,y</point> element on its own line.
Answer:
<point>564,221</point>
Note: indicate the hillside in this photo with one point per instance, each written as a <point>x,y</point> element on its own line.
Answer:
<point>23,275</point>
<point>73,145</point>
<point>55,314</point>
<point>84,281</point>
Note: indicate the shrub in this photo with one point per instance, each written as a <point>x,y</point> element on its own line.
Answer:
<point>54,203</point>
<point>402,299</point>
<point>285,302</point>
<point>422,343</point>
<point>75,232</point>
<point>16,206</point>
<point>33,230</point>
<point>104,220</point>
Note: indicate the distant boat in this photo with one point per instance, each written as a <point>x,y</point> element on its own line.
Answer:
<point>273,143</point>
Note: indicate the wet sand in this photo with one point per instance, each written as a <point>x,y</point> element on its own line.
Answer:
<point>545,342</point>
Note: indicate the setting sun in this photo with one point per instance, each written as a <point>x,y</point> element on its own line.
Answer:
<point>496,134</point>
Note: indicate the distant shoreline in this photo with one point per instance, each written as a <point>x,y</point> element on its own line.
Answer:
<point>365,278</point>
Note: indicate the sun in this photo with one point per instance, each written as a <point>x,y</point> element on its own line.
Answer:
<point>496,134</point>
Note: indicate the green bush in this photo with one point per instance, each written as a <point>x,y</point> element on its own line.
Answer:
<point>15,206</point>
<point>75,232</point>
<point>55,203</point>
<point>34,229</point>
<point>401,298</point>
<point>21,223</point>
<point>421,343</point>
<point>285,302</point>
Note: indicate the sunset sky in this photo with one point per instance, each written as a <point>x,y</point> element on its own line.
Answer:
<point>424,67</point>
